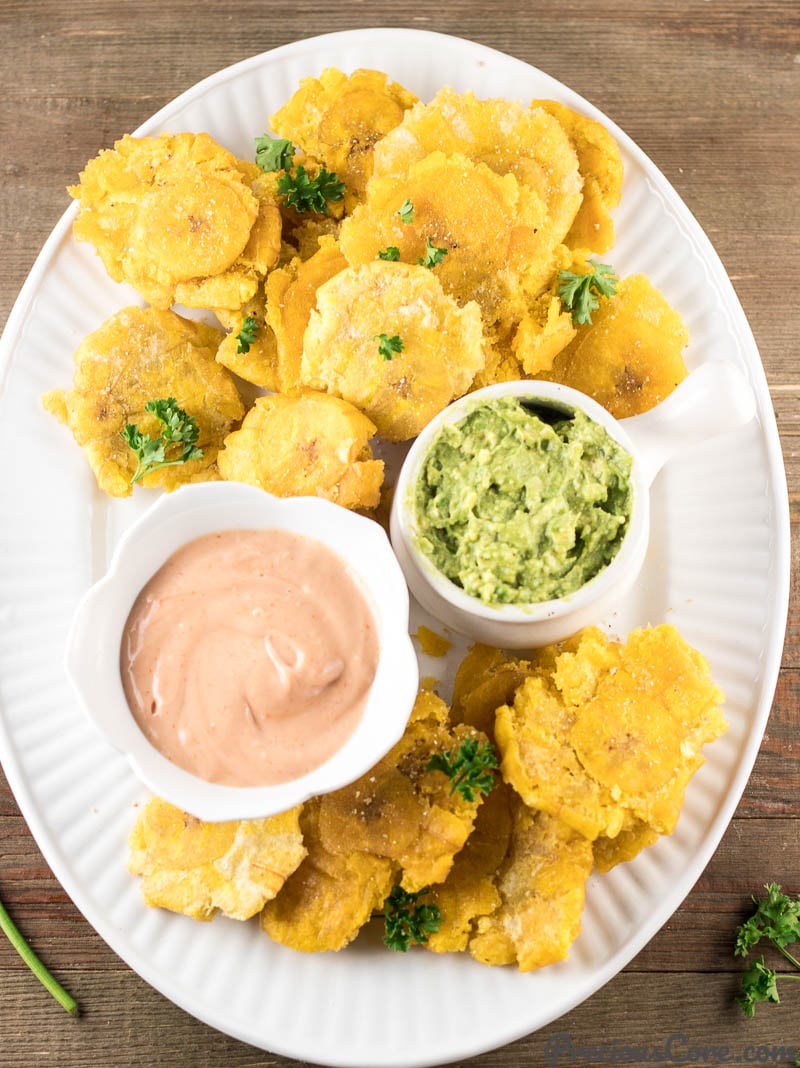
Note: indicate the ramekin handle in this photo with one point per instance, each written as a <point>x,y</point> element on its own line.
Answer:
<point>714,399</point>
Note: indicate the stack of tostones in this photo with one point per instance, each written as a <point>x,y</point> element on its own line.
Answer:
<point>135,356</point>
<point>398,823</point>
<point>610,737</point>
<point>392,253</point>
<point>598,740</point>
<point>200,869</point>
<point>497,245</point>
<point>509,138</point>
<point>176,218</point>
<point>400,810</point>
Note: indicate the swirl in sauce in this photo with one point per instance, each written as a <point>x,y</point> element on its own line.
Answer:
<point>248,657</point>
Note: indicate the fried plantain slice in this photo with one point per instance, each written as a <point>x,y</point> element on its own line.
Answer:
<point>470,890</point>
<point>358,311</point>
<point>308,235</point>
<point>199,868</point>
<point>501,363</point>
<point>165,211</point>
<point>614,733</point>
<point>631,840</point>
<point>257,360</point>
<point>291,294</point>
<point>139,355</point>
<point>330,897</point>
<point>486,679</point>
<point>542,884</point>
<point>309,444</point>
<point>601,166</point>
<point>401,811</point>
<point>630,357</point>
<point>544,331</point>
<point>509,138</point>
<point>239,284</point>
<point>499,245</point>
<point>338,118</point>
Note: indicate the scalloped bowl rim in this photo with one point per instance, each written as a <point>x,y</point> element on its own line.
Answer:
<point>177,518</point>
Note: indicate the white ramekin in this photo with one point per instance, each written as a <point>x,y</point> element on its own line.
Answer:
<point>93,646</point>
<point>713,399</point>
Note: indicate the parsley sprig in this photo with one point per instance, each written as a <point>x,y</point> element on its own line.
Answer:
<point>247,335</point>
<point>274,153</point>
<point>470,768</point>
<point>388,346</point>
<point>406,211</point>
<point>310,194</point>
<point>178,429</point>
<point>406,922</point>
<point>434,254</point>
<point>391,252</point>
<point>777,918</point>
<point>11,931</point>
<point>579,293</point>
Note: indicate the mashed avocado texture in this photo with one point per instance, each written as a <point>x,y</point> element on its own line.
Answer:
<point>516,508</point>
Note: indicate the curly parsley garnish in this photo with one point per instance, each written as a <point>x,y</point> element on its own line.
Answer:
<point>407,923</point>
<point>406,211</point>
<point>579,292</point>
<point>391,252</point>
<point>310,194</point>
<point>388,346</point>
<point>247,335</point>
<point>470,768</point>
<point>179,429</point>
<point>274,153</point>
<point>777,918</point>
<point>433,254</point>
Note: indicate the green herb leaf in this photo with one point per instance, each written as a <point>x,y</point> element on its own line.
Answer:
<point>9,928</point>
<point>579,292</point>
<point>777,917</point>
<point>759,983</point>
<point>247,334</point>
<point>274,153</point>
<point>406,211</point>
<point>407,923</point>
<point>433,254</point>
<point>470,768</point>
<point>178,429</point>
<point>310,194</point>
<point>391,252</point>
<point>388,346</point>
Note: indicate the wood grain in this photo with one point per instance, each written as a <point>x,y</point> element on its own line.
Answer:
<point>710,91</point>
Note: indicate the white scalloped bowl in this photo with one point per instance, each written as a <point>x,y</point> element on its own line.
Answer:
<point>93,646</point>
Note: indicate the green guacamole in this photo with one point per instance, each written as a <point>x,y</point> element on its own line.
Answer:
<point>516,508</point>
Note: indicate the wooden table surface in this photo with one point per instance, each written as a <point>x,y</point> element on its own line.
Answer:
<point>710,91</point>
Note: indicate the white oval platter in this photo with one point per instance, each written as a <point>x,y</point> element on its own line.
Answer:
<point>718,568</point>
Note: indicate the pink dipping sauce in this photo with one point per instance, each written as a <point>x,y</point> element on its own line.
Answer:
<point>248,657</point>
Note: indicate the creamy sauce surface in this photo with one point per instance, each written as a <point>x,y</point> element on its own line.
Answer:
<point>248,657</point>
